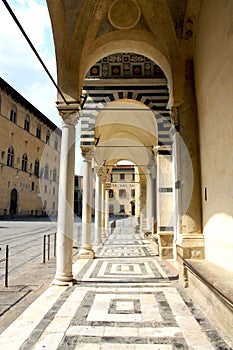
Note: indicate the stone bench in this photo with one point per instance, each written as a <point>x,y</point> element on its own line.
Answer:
<point>211,287</point>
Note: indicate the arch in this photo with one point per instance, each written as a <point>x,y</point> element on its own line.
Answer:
<point>47,137</point>
<point>54,174</point>
<point>24,162</point>
<point>13,201</point>
<point>36,167</point>
<point>114,44</point>
<point>46,171</point>
<point>38,131</point>
<point>13,114</point>
<point>10,157</point>
<point>27,122</point>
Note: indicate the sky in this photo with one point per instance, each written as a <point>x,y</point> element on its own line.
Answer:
<point>20,67</point>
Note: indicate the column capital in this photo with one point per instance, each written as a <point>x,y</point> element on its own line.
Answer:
<point>87,153</point>
<point>70,113</point>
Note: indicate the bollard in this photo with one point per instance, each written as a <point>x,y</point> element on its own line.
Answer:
<point>7,266</point>
<point>48,246</point>
<point>44,248</point>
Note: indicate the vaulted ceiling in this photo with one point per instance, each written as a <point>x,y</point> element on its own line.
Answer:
<point>87,30</point>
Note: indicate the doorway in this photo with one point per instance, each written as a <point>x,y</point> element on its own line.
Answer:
<point>13,201</point>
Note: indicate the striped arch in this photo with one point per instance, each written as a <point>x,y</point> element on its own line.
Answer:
<point>154,96</point>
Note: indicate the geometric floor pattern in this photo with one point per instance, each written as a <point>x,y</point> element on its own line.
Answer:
<point>129,300</point>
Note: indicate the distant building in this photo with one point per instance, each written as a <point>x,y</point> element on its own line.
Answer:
<point>29,157</point>
<point>124,194</point>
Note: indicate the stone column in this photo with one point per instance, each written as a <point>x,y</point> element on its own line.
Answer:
<point>149,204</point>
<point>103,203</point>
<point>107,188</point>
<point>165,208</point>
<point>70,116</point>
<point>86,251</point>
<point>97,232</point>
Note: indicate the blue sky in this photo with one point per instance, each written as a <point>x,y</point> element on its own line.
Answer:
<point>18,64</point>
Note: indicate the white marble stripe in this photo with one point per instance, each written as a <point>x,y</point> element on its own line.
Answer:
<point>16,334</point>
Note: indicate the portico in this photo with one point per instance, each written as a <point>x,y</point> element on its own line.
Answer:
<point>147,90</point>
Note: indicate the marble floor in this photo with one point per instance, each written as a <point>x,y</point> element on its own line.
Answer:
<point>126,298</point>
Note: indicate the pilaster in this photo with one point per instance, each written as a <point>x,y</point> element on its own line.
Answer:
<point>188,238</point>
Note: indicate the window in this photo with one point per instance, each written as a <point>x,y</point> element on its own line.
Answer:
<point>111,194</point>
<point>38,131</point>
<point>53,190</point>
<point>36,167</point>
<point>45,189</point>
<point>45,204</point>
<point>111,209</point>
<point>122,193</point>
<point>54,174</point>
<point>46,171</point>
<point>47,137</point>
<point>133,193</point>
<point>10,157</point>
<point>56,144</point>
<point>54,205</point>
<point>24,162</point>
<point>122,208</point>
<point>27,123</point>
<point>13,114</point>
<point>133,177</point>
<point>33,186</point>
<point>122,177</point>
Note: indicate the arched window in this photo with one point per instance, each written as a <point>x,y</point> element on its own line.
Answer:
<point>13,114</point>
<point>10,157</point>
<point>56,144</point>
<point>38,131</point>
<point>36,167</point>
<point>54,174</point>
<point>27,123</point>
<point>47,137</point>
<point>46,171</point>
<point>24,162</point>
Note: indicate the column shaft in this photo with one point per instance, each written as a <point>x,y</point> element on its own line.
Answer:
<point>65,203</point>
<point>97,232</point>
<point>86,251</point>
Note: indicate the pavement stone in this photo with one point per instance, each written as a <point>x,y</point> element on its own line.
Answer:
<point>127,300</point>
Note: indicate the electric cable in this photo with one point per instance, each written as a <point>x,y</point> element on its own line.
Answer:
<point>33,48</point>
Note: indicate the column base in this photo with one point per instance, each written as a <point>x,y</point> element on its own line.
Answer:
<point>57,282</point>
<point>86,253</point>
<point>189,246</point>
<point>165,242</point>
<point>97,243</point>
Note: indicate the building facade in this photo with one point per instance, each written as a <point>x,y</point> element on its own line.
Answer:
<point>29,157</point>
<point>124,193</point>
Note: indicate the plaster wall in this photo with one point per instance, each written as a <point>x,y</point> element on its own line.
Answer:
<point>214,92</point>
